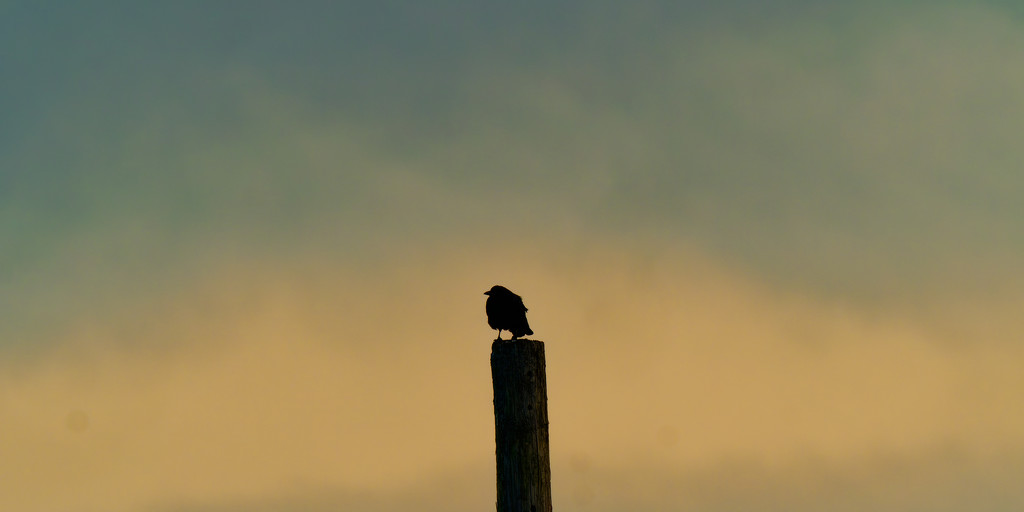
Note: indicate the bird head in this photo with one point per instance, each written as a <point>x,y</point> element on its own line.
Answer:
<point>496,290</point>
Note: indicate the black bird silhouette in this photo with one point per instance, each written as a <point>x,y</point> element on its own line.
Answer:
<point>506,312</point>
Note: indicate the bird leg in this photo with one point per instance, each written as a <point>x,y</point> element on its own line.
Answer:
<point>499,334</point>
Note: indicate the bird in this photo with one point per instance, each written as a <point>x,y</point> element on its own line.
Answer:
<point>506,312</point>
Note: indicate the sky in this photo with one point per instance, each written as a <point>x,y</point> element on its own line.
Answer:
<point>772,249</point>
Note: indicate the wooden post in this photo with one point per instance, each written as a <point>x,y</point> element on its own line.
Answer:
<point>521,426</point>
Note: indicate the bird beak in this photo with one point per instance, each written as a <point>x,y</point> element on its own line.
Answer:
<point>487,293</point>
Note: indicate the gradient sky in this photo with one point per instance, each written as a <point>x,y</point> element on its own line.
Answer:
<point>773,249</point>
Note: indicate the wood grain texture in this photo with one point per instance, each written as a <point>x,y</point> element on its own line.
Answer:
<point>521,426</point>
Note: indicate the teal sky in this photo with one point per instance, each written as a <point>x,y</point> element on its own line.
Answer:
<point>824,174</point>
<point>830,144</point>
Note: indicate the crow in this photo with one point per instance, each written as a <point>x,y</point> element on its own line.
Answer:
<point>506,312</point>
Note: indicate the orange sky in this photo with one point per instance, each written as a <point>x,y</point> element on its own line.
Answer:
<point>297,379</point>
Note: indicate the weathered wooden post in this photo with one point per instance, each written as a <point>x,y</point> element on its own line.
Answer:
<point>521,426</point>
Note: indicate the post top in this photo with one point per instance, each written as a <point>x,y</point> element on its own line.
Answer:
<point>515,341</point>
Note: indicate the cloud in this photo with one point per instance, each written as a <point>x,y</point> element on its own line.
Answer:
<point>940,480</point>
<point>826,149</point>
<point>275,379</point>
<point>839,151</point>
<point>776,260</point>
